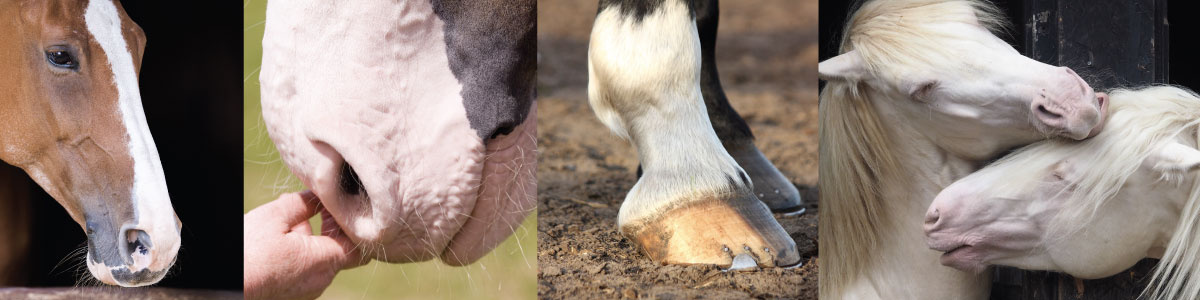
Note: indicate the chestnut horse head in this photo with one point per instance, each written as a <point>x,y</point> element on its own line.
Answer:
<point>71,117</point>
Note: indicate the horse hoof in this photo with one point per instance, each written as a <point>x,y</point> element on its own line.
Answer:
<point>714,232</point>
<point>770,185</point>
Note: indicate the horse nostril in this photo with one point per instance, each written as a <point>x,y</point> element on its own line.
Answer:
<point>350,183</point>
<point>1045,112</point>
<point>932,218</point>
<point>137,242</point>
<point>502,130</point>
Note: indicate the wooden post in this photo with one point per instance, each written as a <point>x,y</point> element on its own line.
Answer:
<point>1115,42</point>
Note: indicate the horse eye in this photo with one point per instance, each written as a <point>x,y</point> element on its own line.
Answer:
<point>61,58</point>
<point>921,93</point>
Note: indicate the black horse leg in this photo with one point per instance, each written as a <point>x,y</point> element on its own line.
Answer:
<point>770,185</point>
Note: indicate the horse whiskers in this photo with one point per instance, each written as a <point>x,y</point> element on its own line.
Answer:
<point>84,276</point>
<point>520,248</point>
<point>79,251</point>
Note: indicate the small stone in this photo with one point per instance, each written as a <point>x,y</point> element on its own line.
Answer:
<point>629,293</point>
<point>596,268</point>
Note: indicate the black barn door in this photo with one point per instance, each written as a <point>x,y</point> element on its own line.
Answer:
<point>1110,43</point>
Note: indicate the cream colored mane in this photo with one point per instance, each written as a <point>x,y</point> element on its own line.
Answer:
<point>1141,122</point>
<point>855,158</point>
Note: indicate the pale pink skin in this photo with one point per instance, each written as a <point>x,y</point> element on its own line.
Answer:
<point>977,229</point>
<point>945,122</point>
<point>369,84</point>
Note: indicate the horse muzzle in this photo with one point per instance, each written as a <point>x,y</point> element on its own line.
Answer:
<point>130,256</point>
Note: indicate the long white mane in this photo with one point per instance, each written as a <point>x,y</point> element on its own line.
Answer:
<point>855,158</point>
<point>1141,121</point>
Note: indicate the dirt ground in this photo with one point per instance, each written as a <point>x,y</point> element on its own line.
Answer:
<point>767,54</point>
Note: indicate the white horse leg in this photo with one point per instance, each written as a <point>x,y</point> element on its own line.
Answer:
<point>693,204</point>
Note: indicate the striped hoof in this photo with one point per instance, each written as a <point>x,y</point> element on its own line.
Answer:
<point>714,232</point>
<point>770,185</point>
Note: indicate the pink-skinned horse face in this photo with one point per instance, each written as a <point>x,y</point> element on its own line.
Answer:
<point>419,146</point>
<point>1033,225</point>
<point>970,88</point>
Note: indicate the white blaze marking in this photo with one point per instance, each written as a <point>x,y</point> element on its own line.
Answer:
<point>151,203</point>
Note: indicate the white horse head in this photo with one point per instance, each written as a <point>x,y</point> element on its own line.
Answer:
<point>922,94</point>
<point>1091,208</point>
<point>940,61</point>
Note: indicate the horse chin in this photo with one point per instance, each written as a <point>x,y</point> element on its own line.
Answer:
<point>122,276</point>
<point>965,258</point>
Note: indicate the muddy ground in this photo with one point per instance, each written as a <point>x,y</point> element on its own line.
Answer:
<point>767,54</point>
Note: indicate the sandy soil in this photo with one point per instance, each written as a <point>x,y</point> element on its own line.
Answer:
<point>767,54</point>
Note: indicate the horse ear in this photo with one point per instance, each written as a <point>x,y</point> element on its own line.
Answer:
<point>847,66</point>
<point>1176,157</point>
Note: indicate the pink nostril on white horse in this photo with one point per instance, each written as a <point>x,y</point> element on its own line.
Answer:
<point>931,219</point>
<point>1048,115</point>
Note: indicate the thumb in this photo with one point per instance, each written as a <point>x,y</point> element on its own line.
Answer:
<point>352,256</point>
<point>332,251</point>
<point>290,209</point>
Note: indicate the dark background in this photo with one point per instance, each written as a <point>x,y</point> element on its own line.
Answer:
<point>191,92</point>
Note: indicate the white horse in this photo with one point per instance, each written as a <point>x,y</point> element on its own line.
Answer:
<point>923,94</point>
<point>1091,208</point>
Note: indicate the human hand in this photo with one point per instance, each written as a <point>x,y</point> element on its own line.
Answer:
<point>282,259</point>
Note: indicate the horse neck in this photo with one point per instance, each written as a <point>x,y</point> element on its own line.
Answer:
<point>900,265</point>
<point>17,88</point>
<point>1175,276</point>
<point>925,169</point>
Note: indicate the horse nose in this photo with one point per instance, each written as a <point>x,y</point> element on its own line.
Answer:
<point>1049,113</point>
<point>342,179</point>
<point>137,244</point>
<point>1070,109</point>
<point>931,220</point>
